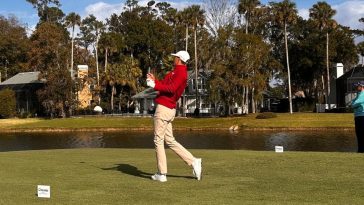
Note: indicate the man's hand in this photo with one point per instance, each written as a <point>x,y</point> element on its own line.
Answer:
<point>150,76</point>
<point>150,80</point>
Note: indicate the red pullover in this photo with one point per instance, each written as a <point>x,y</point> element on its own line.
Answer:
<point>171,87</point>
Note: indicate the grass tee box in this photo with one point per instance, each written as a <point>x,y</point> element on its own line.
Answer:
<point>296,120</point>
<point>121,176</point>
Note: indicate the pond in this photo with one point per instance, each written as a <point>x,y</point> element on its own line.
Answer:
<point>323,141</point>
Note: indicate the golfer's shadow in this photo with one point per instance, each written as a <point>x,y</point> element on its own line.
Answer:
<point>134,171</point>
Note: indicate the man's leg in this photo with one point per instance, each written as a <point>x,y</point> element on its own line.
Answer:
<point>184,154</point>
<point>159,133</point>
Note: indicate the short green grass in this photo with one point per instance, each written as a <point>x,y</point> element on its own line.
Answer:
<point>121,176</point>
<point>296,120</point>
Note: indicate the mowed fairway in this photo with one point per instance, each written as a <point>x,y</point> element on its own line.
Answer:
<point>121,176</point>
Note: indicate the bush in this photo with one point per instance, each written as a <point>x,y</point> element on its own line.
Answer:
<point>266,115</point>
<point>8,103</point>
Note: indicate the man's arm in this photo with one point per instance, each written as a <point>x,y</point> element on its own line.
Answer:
<point>177,80</point>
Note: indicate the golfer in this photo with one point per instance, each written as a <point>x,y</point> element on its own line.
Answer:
<point>170,90</point>
<point>358,105</point>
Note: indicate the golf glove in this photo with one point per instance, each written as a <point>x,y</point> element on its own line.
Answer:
<point>150,83</point>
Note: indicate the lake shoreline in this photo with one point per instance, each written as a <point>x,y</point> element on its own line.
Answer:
<point>103,129</point>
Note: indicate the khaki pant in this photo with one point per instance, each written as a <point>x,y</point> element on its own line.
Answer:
<point>163,133</point>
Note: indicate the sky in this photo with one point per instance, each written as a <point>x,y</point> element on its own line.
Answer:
<point>348,11</point>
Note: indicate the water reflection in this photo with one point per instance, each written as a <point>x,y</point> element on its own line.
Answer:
<point>291,141</point>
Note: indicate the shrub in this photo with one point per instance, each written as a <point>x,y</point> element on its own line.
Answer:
<point>266,115</point>
<point>8,103</point>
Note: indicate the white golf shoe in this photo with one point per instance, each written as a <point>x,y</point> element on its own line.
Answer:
<point>197,168</point>
<point>159,177</point>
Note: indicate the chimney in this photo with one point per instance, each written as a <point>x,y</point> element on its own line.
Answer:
<point>339,71</point>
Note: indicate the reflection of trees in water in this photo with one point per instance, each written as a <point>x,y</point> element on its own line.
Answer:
<point>311,141</point>
<point>287,140</point>
<point>86,139</point>
<point>338,141</point>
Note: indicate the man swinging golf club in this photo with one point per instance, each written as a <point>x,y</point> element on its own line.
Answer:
<point>170,90</point>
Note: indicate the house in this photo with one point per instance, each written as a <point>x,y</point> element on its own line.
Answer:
<point>188,99</point>
<point>25,86</point>
<point>345,92</point>
<point>144,101</point>
<point>187,104</point>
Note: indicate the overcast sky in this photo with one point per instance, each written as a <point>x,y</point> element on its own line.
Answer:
<point>348,11</point>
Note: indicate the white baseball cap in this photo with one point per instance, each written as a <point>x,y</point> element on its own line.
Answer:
<point>183,55</point>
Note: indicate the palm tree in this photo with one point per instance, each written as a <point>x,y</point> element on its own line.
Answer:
<point>321,15</point>
<point>95,28</point>
<point>109,44</point>
<point>285,14</point>
<point>72,20</point>
<point>184,17</point>
<point>197,18</point>
<point>125,73</point>
<point>247,7</point>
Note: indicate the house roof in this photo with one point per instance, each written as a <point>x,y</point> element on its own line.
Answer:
<point>23,78</point>
<point>202,74</point>
<point>147,93</point>
<point>357,72</point>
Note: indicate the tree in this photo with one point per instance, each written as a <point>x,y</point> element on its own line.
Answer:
<point>14,45</point>
<point>8,103</point>
<point>147,36</point>
<point>239,56</point>
<point>285,14</point>
<point>219,13</point>
<point>247,8</point>
<point>124,74</point>
<point>184,17</point>
<point>72,20</point>
<point>43,7</point>
<point>49,54</point>
<point>93,29</point>
<point>110,43</point>
<point>52,14</point>
<point>321,14</point>
<point>196,18</point>
<point>250,58</point>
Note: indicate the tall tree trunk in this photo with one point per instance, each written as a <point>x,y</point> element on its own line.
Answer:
<point>288,69</point>
<point>73,39</point>
<point>97,61</point>
<point>253,101</point>
<point>106,54</point>
<point>243,101</point>
<point>186,37</point>
<point>247,100</point>
<point>196,72</point>
<point>246,23</point>
<point>97,69</point>
<point>323,88</point>
<point>112,98</point>
<point>328,69</point>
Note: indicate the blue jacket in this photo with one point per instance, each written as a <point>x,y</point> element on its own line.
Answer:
<point>358,104</point>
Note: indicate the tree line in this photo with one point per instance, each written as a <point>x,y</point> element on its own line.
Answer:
<point>244,45</point>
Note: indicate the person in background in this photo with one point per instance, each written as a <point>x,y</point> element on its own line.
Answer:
<point>170,90</point>
<point>358,105</point>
